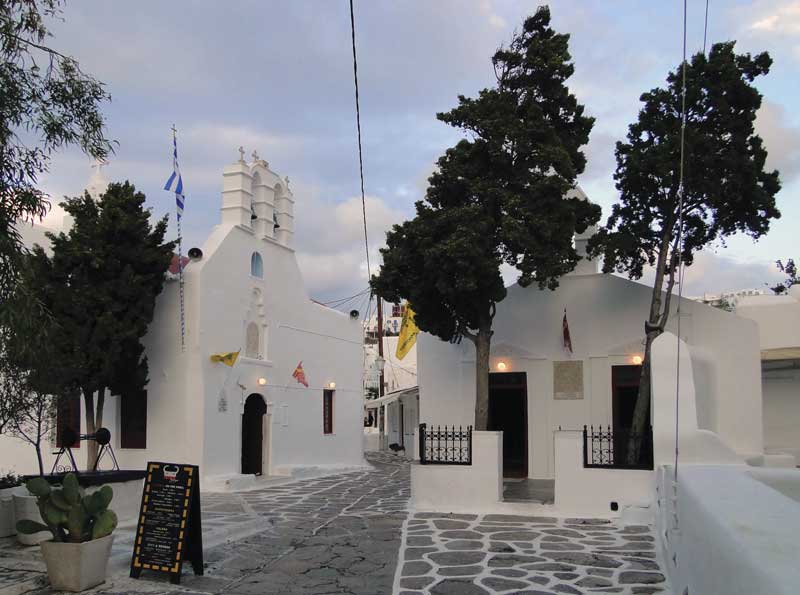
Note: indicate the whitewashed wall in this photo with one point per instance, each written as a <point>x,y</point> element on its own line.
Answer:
<point>184,422</point>
<point>781,390</point>
<point>606,318</point>
<point>729,532</point>
<point>625,487</point>
<point>451,488</point>
<point>778,319</point>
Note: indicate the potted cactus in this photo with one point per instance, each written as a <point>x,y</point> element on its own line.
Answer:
<point>81,526</point>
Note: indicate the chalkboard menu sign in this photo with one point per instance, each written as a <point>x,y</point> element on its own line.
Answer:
<point>168,531</point>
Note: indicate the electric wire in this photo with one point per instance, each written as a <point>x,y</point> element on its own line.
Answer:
<point>680,237</point>
<point>345,299</point>
<point>705,29</point>
<point>358,126</point>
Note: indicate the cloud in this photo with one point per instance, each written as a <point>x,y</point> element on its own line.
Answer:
<point>714,273</point>
<point>330,241</point>
<point>781,139</point>
<point>782,18</point>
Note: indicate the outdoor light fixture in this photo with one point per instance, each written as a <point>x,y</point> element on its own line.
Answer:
<point>331,385</point>
<point>501,366</point>
<point>262,381</point>
<point>637,360</point>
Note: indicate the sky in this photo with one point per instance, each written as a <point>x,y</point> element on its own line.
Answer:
<point>277,77</point>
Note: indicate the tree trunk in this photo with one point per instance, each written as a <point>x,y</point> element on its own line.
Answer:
<point>39,458</point>
<point>91,445</point>
<point>483,341</point>
<point>654,326</point>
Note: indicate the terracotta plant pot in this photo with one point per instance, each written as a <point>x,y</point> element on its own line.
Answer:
<point>25,508</point>
<point>77,566</point>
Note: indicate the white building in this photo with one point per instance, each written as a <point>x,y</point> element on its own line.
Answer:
<point>395,416</point>
<point>778,319</point>
<point>542,388</point>
<point>243,291</point>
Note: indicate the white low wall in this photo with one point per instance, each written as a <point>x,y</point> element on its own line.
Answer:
<point>590,492</point>
<point>726,531</point>
<point>449,488</point>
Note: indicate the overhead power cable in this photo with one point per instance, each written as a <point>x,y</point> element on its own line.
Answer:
<point>680,236</point>
<point>358,125</point>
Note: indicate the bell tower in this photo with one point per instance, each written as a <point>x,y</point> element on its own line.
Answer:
<point>237,195</point>
<point>255,197</point>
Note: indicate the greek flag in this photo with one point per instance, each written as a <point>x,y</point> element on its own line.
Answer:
<point>175,183</point>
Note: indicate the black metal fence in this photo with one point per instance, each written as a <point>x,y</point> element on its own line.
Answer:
<point>620,449</point>
<point>445,445</point>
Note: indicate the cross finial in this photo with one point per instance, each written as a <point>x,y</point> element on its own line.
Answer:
<point>99,164</point>
<point>254,155</point>
<point>286,179</point>
<point>241,153</point>
<point>174,130</point>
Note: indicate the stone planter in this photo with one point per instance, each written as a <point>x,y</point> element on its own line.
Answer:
<point>77,566</point>
<point>25,508</point>
<point>7,522</point>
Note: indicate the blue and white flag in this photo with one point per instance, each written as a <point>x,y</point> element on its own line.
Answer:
<point>175,183</point>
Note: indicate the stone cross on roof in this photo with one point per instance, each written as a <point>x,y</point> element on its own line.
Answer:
<point>241,153</point>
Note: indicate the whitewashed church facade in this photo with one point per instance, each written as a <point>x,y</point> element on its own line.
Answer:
<point>244,292</point>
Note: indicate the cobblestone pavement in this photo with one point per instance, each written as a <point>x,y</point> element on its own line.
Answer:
<point>348,533</point>
<point>461,554</point>
<point>335,534</point>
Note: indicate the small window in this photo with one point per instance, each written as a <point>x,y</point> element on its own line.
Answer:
<point>68,416</point>
<point>327,411</point>
<point>252,342</point>
<point>133,420</point>
<point>256,266</point>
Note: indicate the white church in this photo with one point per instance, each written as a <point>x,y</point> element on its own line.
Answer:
<point>243,291</point>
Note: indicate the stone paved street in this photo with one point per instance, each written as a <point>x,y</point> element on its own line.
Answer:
<point>345,534</point>
<point>336,534</point>
<point>462,554</point>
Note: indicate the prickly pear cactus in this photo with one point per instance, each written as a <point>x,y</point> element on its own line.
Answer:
<point>68,513</point>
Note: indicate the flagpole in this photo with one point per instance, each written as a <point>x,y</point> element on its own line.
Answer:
<point>180,253</point>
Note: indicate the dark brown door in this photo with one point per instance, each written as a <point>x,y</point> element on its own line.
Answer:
<point>253,435</point>
<point>624,391</point>
<point>508,412</point>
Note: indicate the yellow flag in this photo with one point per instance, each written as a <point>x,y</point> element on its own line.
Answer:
<point>408,334</point>
<point>225,358</point>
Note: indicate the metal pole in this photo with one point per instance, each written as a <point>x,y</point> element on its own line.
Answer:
<point>380,343</point>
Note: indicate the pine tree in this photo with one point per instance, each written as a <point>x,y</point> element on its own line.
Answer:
<point>101,286</point>
<point>726,187</point>
<point>499,196</point>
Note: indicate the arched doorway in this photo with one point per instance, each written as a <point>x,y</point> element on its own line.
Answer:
<point>253,435</point>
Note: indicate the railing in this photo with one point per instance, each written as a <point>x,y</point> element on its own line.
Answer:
<point>445,445</point>
<point>620,449</point>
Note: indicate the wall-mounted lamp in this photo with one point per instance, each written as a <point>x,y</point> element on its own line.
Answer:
<point>331,385</point>
<point>637,360</point>
<point>501,366</point>
<point>262,381</point>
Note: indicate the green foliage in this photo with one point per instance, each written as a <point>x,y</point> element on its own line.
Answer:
<point>48,103</point>
<point>10,480</point>
<point>500,196</point>
<point>727,189</point>
<point>100,285</point>
<point>789,268</point>
<point>68,513</point>
<point>39,487</point>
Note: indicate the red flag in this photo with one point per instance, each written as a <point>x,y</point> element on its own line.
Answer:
<point>300,375</point>
<point>565,328</point>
